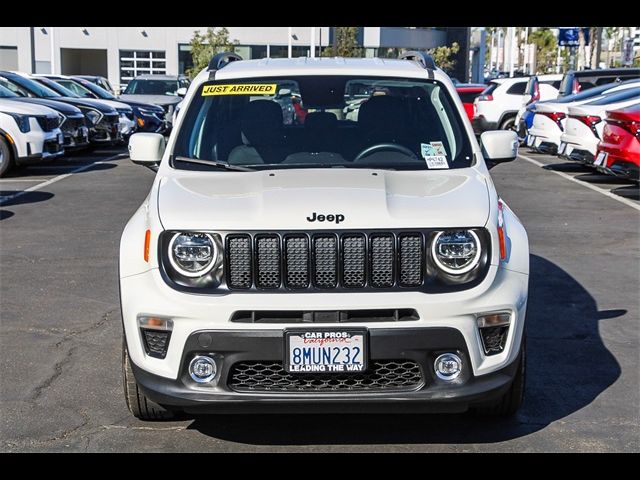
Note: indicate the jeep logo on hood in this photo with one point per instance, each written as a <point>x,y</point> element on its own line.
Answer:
<point>318,217</point>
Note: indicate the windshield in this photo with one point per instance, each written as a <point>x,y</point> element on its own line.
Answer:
<point>6,93</point>
<point>28,87</point>
<point>96,90</point>
<point>75,87</point>
<point>152,87</point>
<point>56,87</point>
<point>325,121</point>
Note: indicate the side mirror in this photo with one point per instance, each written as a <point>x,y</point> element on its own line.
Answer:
<point>181,92</point>
<point>499,145</point>
<point>146,148</point>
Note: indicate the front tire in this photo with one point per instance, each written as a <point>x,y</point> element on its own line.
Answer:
<point>6,158</point>
<point>139,405</point>
<point>510,401</point>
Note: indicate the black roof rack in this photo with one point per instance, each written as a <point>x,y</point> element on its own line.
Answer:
<point>221,60</point>
<point>422,58</point>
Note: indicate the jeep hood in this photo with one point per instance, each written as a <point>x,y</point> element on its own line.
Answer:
<point>284,199</point>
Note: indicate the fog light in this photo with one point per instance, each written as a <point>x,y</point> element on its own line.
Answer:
<point>448,366</point>
<point>202,369</point>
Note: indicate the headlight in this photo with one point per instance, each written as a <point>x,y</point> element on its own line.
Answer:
<point>22,121</point>
<point>456,251</point>
<point>93,115</point>
<point>193,254</point>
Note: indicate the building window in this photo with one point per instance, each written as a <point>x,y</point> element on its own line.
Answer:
<point>140,62</point>
<point>185,61</point>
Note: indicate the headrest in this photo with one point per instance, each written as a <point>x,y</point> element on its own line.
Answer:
<point>320,121</point>
<point>261,123</point>
<point>381,111</point>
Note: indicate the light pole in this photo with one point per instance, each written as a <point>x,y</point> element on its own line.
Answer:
<point>313,42</point>
<point>53,50</point>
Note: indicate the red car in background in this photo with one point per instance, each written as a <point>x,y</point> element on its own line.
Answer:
<point>468,93</point>
<point>619,150</point>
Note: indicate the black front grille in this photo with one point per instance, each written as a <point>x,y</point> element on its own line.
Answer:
<point>48,123</point>
<point>270,376</point>
<point>268,251</point>
<point>301,261</point>
<point>51,146</point>
<point>110,119</point>
<point>71,124</point>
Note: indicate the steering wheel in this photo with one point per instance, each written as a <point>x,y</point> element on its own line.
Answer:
<point>382,147</point>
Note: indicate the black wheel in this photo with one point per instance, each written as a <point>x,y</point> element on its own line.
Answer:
<point>138,403</point>
<point>509,403</point>
<point>508,123</point>
<point>6,160</point>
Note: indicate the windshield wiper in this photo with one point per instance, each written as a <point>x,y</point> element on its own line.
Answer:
<point>213,163</point>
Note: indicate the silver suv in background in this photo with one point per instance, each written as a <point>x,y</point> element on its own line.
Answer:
<point>163,90</point>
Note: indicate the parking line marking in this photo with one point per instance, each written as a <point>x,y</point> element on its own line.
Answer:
<point>55,179</point>
<point>584,184</point>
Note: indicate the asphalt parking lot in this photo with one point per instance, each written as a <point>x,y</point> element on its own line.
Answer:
<point>60,328</point>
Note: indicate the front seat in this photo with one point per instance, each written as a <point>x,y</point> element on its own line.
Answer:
<point>382,119</point>
<point>262,134</point>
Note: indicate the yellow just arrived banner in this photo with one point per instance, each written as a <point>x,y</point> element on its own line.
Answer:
<point>240,89</point>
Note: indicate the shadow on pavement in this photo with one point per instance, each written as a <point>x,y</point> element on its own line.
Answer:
<point>568,367</point>
<point>567,167</point>
<point>23,198</point>
<point>632,192</point>
<point>4,214</point>
<point>601,178</point>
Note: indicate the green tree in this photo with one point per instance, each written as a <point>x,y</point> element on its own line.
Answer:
<point>345,45</point>
<point>546,49</point>
<point>442,56</point>
<point>203,47</point>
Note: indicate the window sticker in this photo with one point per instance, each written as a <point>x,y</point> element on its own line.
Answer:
<point>436,161</point>
<point>240,89</point>
<point>432,149</point>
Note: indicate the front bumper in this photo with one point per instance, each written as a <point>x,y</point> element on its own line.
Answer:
<point>420,345</point>
<point>40,146</point>
<point>148,294</point>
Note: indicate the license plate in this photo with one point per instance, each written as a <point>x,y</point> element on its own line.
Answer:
<point>60,139</point>
<point>530,140</point>
<point>601,159</point>
<point>325,351</point>
<point>563,147</point>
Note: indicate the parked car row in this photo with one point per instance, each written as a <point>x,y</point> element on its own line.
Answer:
<point>588,116</point>
<point>44,116</point>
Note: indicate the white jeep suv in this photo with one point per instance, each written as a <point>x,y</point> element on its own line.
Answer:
<point>333,264</point>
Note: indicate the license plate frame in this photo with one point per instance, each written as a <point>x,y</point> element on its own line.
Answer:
<point>321,338</point>
<point>563,147</point>
<point>601,159</point>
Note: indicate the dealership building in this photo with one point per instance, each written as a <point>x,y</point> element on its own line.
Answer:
<point>121,53</point>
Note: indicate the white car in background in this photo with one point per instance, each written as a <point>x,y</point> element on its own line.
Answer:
<point>540,88</point>
<point>585,123</point>
<point>28,134</point>
<point>550,116</point>
<point>497,107</point>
